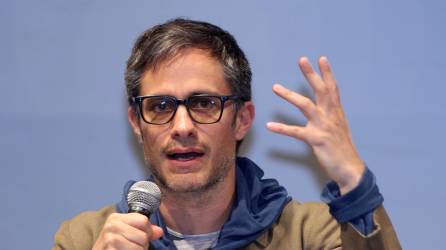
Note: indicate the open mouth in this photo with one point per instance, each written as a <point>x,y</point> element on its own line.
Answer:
<point>187,156</point>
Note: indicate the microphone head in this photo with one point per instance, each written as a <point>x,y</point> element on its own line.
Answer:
<point>144,197</point>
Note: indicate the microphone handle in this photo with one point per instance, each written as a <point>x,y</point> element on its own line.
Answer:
<point>139,210</point>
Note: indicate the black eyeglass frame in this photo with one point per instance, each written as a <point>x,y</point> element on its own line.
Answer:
<point>138,100</point>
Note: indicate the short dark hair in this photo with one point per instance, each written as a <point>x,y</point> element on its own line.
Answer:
<point>162,42</point>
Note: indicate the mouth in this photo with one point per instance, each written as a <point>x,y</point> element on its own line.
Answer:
<point>184,155</point>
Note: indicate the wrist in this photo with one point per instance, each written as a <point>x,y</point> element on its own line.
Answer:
<point>351,178</point>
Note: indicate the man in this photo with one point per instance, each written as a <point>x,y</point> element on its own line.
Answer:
<point>188,85</point>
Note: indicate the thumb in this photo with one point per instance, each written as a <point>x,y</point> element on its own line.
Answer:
<point>157,232</point>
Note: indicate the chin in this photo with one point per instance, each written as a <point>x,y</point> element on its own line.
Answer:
<point>201,180</point>
<point>189,183</point>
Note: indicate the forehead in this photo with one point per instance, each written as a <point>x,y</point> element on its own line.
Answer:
<point>190,71</point>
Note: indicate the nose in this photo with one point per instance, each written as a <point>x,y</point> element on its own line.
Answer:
<point>182,125</point>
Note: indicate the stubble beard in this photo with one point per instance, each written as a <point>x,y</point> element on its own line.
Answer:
<point>217,174</point>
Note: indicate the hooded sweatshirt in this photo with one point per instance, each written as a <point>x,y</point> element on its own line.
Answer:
<point>258,201</point>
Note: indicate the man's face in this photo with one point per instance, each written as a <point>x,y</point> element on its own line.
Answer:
<point>186,156</point>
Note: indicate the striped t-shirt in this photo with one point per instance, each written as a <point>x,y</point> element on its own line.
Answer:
<point>194,241</point>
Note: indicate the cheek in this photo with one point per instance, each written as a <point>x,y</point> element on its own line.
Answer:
<point>224,139</point>
<point>152,140</point>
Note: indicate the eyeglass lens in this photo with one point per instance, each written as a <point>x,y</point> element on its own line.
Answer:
<point>202,109</point>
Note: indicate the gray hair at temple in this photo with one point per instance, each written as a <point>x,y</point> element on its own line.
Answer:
<point>163,42</point>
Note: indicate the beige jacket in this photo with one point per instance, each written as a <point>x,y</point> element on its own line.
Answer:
<point>301,226</point>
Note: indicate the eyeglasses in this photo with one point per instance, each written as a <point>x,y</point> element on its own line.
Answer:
<point>204,109</point>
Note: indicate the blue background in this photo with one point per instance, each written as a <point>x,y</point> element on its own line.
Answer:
<point>66,145</point>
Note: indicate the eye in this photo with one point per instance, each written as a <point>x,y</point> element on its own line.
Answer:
<point>159,105</point>
<point>203,102</point>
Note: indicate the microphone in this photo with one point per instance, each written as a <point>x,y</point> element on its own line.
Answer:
<point>144,197</point>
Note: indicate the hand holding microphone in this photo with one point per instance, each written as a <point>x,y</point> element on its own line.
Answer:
<point>133,230</point>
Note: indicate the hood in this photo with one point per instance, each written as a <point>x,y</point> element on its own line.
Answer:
<point>258,204</point>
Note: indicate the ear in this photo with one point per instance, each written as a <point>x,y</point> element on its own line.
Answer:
<point>134,122</point>
<point>244,120</point>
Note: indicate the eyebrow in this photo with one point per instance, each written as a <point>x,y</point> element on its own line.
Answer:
<point>195,93</point>
<point>204,93</point>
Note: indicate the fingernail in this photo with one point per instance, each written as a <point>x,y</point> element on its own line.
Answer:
<point>277,86</point>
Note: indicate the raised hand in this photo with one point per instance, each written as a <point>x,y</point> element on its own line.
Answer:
<point>326,131</point>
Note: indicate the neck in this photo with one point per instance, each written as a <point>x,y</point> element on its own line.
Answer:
<point>199,213</point>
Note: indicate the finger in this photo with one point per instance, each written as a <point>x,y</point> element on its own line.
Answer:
<point>303,103</point>
<point>143,223</point>
<point>113,237</point>
<point>133,234</point>
<point>157,232</point>
<point>315,81</point>
<point>136,220</point>
<point>328,78</point>
<point>120,242</point>
<point>288,130</point>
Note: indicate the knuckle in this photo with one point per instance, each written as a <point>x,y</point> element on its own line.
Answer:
<point>149,233</point>
<point>326,127</point>
<point>110,239</point>
<point>113,216</point>
<point>306,103</point>
<point>282,129</point>
<point>289,94</point>
<point>145,222</point>
<point>325,137</point>
<point>145,240</point>
<point>110,226</point>
<point>320,138</point>
<point>323,89</point>
<point>333,87</point>
<point>145,219</point>
<point>295,133</point>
